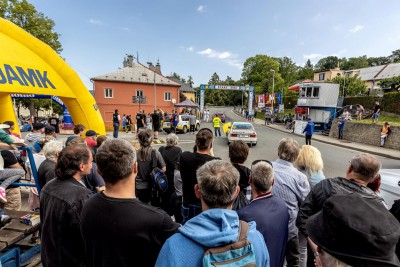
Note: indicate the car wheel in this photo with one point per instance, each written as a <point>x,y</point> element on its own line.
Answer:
<point>197,127</point>
<point>229,143</point>
<point>255,144</point>
<point>184,129</point>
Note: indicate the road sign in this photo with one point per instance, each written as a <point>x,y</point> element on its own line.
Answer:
<point>139,99</point>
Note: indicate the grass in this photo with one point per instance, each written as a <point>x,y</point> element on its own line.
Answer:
<point>395,121</point>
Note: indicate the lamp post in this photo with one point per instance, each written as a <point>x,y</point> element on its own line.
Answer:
<point>273,89</point>
<point>155,93</point>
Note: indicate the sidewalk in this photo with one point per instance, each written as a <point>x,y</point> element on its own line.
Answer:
<point>379,151</point>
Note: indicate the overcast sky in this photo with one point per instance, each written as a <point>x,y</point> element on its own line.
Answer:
<point>198,38</point>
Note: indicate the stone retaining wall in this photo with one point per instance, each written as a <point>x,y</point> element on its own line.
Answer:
<point>366,133</point>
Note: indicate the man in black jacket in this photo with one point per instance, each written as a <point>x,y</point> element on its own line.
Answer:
<point>363,169</point>
<point>61,204</point>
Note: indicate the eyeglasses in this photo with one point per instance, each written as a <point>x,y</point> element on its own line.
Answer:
<point>261,160</point>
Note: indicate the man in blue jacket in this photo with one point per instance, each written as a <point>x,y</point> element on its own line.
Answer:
<point>217,225</point>
<point>309,130</point>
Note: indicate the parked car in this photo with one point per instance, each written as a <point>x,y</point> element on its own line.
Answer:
<point>221,116</point>
<point>183,124</point>
<point>243,131</point>
<point>390,185</point>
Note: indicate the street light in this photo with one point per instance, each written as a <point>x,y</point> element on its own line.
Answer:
<point>273,89</point>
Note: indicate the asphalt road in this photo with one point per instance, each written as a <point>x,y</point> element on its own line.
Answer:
<point>336,159</point>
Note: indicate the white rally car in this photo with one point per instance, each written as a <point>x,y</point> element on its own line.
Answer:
<point>390,185</point>
<point>243,131</point>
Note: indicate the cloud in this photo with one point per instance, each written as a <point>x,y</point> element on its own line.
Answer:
<point>302,43</point>
<point>201,9</point>
<point>337,27</point>
<point>356,28</point>
<point>225,56</point>
<point>190,49</point>
<point>94,21</point>
<point>312,56</point>
<point>125,29</point>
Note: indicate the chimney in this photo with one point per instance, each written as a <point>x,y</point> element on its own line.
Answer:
<point>158,67</point>
<point>124,63</point>
<point>151,67</point>
<point>130,61</point>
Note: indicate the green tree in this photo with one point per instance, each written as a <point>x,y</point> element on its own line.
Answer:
<point>214,79</point>
<point>377,61</point>
<point>288,70</point>
<point>392,83</point>
<point>355,63</point>
<point>352,85</point>
<point>306,72</point>
<point>327,63</point>
<point>396,56</point>
<point>36,23</point>
<point>190,80</point>
<point>258,71</point>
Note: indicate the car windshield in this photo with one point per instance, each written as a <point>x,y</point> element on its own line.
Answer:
<point>242,126</point>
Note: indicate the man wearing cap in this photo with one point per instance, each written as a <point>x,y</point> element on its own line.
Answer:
<point>363,234</point>
<point>363,169</point>
<point>32,137</point>
<point>7,139</point>
<point>309,131</point>
<point>10,130</point>
<point>91,138</point>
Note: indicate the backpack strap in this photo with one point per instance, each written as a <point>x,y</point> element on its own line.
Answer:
<point>243,230</point>
<point>242,241</point>
<point>153,158</point>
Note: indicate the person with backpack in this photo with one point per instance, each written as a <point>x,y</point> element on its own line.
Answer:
<point>116,119</point>
<point>216,235</point>
<point>145,160</point>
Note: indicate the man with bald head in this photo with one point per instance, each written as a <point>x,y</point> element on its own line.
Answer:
<point>362,169</point>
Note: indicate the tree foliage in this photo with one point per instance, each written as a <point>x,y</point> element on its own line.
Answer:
<point>262,72</point>
<point>36,23</point>
<point>352,85</point>
<point>354,63</point>
<point>327,63</point>
<point>306,72</point>
<point>377,61</point>
<point>392,83</point>
<point>396,56</point>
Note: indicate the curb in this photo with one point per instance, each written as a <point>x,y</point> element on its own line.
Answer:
<point>331,143</point>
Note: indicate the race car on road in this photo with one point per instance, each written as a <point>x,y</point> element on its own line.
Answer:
<point>243,131</point>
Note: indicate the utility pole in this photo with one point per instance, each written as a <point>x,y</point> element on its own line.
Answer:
<point>273,89</point>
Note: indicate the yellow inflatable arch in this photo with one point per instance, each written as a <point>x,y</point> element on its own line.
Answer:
<point>29,66</point>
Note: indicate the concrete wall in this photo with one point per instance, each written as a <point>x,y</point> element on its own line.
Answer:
<point>366,133</point>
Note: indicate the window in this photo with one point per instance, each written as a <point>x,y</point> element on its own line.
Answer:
<point>322,76</point>
<point>308,91</point>
<point>108,93</point>
<point>302,92</point>
<point>316,92</point>
<point>139,92</point>
<point>167,96</point>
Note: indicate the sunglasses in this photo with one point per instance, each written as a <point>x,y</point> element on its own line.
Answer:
<point>261,160</point>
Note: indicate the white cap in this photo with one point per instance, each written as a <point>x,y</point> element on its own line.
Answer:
<point>4,126</point>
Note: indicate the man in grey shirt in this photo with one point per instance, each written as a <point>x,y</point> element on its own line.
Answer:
<point>192,122</point>
<point>292,186</point>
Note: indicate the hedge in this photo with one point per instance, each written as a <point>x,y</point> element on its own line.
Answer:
<point>389,102</point>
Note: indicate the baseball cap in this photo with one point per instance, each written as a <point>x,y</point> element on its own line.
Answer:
<point>91,133</point>
<point>348,228</point>
<point>48,129</point>
<point>4,126</point>
<point>38,126</point>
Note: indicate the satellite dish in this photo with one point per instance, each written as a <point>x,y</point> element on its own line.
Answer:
<point>173,100</point>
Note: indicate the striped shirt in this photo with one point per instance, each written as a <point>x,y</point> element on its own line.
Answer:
<point>292,186</point>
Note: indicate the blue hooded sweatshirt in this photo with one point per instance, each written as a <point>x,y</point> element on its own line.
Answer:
<point>211,228</point>
<point>309,130</point>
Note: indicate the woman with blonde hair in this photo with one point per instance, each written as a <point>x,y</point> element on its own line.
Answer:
<point>310,163</point>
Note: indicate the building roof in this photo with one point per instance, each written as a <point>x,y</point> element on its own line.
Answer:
<point>138,73</point>
<point>185,87</point>
<point>378,72</point>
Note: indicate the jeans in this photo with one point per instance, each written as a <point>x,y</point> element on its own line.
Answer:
<point>8,176</point>
<point>192,128</point>
<point>292,253</point>
<point>383,139</point>
<point>217,130</point>
<point>340,133</point>
<point>308,139</point>
<point>189,211</point>
<point>303,250</point>
<point>116,128</point>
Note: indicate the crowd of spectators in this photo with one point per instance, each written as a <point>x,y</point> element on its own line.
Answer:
<point>99,207</point>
